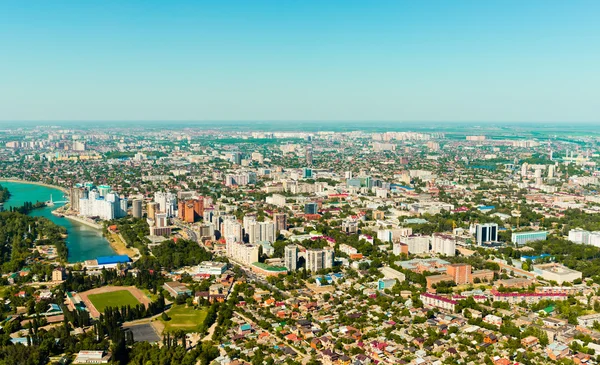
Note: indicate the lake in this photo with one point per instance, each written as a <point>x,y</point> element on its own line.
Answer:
<point>84,242</point>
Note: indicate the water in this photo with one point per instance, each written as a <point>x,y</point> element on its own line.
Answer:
<point>84,242</point>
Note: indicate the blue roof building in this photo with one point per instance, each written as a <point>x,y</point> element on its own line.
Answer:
<point>112,260</point>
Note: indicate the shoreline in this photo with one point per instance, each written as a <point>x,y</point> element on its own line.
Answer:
<point>64,190</point>
<point>80,220</point>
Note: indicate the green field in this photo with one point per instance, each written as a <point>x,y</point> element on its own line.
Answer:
<point>183,318</point>
<point>117,298</point>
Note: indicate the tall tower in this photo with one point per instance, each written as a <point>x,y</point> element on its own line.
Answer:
<point>309,155</point>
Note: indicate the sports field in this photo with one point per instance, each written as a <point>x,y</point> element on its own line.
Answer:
<point>113,299</point>
<point>183,318</point>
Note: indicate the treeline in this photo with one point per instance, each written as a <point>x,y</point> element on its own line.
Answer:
<point>172,255</point>
<point>134,232</point>
<point>128,313</point>
<point>4,194</point>
<point>144,279</point>
<point>27,207</point>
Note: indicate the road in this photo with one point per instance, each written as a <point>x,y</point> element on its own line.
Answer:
<point>189,233</point>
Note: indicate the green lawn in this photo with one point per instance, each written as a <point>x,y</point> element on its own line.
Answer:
<point>113,299</point>
<point>183,318</point>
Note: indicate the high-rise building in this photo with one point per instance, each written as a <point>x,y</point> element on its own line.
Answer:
<point>444,244</point>
<point>104,208</point>
<point>136,209</point>
<point>167,202</point>
<point>280,221</point>
<point>487,232</point>
<point>76,193</point>
<point>161,220</point>
<point>309,155</point>
<point>307,173</point>
<point>319,259</point>
<point>151,210</point>
<point>291,257</point>
<point>232,230</point>
<point>550,171</point>
<point>103,190</point>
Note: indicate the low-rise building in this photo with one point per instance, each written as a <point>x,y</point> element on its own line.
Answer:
<point>92,357</point>
<point>557,272</point>
<point>176,289</point>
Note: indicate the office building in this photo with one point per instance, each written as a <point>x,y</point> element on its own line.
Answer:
<point>291,257</point>
<point>311,208</point>
<point>307,173</point>
<point>136,209</point>
<point>521,238</point>
<point>487,232</point>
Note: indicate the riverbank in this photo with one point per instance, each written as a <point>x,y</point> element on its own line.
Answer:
<point>64,190</point>
<point>79,220</point>
<point>118,244</point>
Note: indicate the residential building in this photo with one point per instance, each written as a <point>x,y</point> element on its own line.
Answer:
<point>443,244</point>
<point>318,259</point>
<point>291,257</point>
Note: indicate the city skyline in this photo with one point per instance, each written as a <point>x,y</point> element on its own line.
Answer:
<point>385,61</point>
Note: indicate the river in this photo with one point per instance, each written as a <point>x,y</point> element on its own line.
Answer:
<point>83,242</point>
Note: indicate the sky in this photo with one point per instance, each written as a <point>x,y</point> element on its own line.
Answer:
<point>534,60</point>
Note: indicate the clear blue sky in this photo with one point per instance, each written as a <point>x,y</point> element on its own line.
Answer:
<point>481,60</point>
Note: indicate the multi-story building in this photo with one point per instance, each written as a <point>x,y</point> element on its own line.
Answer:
<point>76,193</point>
<point>309,155</point>
<point>107,208</point>
<point>487,232</point>
<point>522,238</point>
<point>436,301</point>
<point>579,236</point>
<point>460,273</point>
<point>244,253</point>
<point>190,210</point>
<point>318,259</point>
<point>311,208</point>
<point>151,210</point>
<point>417,244</point>
<point>240,179</point>
<point>167,203</point>
<point>443,244</point>
<point>291,257</point>
<point>136,208</point>
<point>232,230</point>
<point>280,221</point>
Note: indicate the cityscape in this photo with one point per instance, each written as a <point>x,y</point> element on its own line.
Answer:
<point>302,247</point>
<point>300,182</point>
